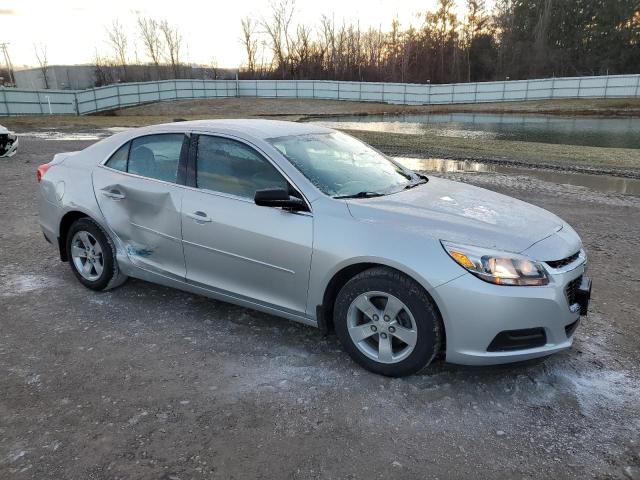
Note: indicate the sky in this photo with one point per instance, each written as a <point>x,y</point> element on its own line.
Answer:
<point>73,29</point>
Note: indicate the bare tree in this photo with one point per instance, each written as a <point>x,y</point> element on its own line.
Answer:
<point>263,68</point>
<point>393,47</point>
<point>373,46</point>
<point>277,29</point>
<point>173,42</point>
<point>117,39</point>
<point>541,32</point>
<point>214,68</point>
<point>443,22</point>
<point>519,38</point>
<point>301,47</point>
<point>476,23</point>
<point>327,40</point>
<point>103,71</point>
<point>151,38</point>
<point>250,42</point>
<point>503,20</point>
<point>43,62</point>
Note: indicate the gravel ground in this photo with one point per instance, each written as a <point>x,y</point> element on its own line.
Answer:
<point>152,383</point>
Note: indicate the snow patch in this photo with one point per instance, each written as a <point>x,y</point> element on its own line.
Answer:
<point>137,417</point>
<point>20,284</point>
<point>598,388</point>
<point>16,455</point>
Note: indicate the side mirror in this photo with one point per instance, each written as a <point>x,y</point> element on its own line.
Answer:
<point>279,197</point>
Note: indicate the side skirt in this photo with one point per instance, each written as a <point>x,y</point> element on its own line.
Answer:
<point>142,274</point>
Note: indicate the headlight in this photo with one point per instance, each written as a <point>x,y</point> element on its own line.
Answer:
<point>501,268</point>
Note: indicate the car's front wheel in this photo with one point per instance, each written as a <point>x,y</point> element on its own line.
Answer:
<point>387,322</point>
<point>91,254</point>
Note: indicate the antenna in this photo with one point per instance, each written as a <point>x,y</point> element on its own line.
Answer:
<point>7,61</point>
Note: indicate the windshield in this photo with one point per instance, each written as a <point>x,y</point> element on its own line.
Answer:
<point>341,166</point>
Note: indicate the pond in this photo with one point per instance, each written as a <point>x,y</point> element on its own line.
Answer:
<point>599,183</point>
<point>589,131</point>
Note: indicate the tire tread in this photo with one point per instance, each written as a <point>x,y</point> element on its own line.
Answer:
<point>408,284</point>
<point>117,278</point>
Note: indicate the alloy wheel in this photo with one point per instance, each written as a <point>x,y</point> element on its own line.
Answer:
<point>86,254</point>
<point>382,327</point>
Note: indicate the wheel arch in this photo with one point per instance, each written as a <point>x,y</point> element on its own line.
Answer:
<point>324,312</point>
<point>66,221</point>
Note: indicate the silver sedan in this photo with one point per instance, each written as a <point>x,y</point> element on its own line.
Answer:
<point>315,226</point>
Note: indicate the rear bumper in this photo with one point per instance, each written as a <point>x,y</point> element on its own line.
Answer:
<point>48,217</point>
<point>475,313</point>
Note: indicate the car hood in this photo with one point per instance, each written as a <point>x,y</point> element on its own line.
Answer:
<point>462,213</point>
<point>4,130</point>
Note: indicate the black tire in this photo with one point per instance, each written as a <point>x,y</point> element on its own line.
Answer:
<point>426,317</point>
<point>111,275</point>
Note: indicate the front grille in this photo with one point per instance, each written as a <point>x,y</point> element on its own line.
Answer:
<point>564,262</point>
<point>509,340</point>
<point>571,290</point>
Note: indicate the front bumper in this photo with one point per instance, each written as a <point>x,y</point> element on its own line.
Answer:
<point>476,312</point>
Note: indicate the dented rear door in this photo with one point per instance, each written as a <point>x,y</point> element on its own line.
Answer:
<point>145,213</point>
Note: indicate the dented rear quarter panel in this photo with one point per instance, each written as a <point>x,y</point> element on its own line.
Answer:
<point>70,173</point>
<point>67,187</point>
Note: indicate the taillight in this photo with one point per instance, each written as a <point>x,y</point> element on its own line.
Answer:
<point>42,169</point>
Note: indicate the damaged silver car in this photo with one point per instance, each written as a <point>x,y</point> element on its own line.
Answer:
<point>8,142</point>
<point>313,225</point>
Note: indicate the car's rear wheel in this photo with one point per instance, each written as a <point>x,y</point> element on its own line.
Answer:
<point>91,254</point>
<point>387,322</point>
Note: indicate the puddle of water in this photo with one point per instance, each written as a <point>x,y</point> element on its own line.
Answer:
<point>589,131</point>
<point>407,128</point>
<point>599,183</point>
<point>77,136</point>
<point>71,136</point>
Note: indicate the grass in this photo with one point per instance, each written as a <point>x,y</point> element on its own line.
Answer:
<point>249,107</point>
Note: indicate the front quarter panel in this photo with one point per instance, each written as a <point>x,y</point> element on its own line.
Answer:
<point>340,241</point>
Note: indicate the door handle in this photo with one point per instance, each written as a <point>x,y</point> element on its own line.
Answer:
<point>114,194</point>
<point>199,216</point>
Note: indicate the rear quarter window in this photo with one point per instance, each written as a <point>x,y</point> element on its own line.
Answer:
<point>118,160</point>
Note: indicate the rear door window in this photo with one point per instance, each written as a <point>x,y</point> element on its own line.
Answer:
<point>156,156</point>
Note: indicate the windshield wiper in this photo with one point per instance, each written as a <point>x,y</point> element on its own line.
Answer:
<point>363,194</point>
<point>422,181</point>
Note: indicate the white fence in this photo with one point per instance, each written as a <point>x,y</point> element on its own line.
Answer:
<point>41,102</point>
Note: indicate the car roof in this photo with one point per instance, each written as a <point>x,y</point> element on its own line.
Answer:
<point>258,128</point>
